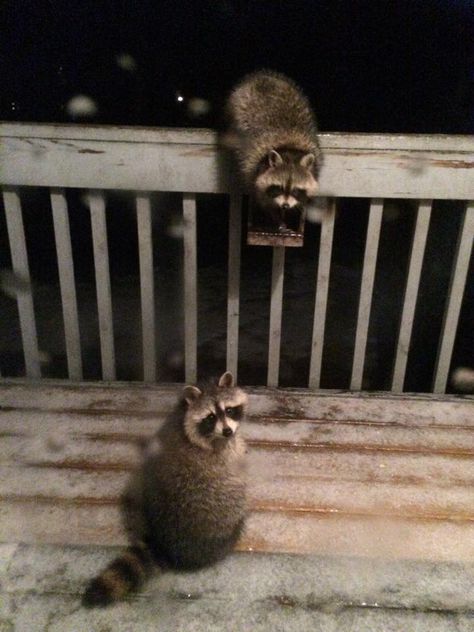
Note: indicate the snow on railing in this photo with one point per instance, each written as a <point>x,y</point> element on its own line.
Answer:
<point>423,168</point>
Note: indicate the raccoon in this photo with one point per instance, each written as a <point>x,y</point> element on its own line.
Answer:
<point>273,132</point>
<point>185,506</point>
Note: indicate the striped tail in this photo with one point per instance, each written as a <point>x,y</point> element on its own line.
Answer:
<point>124,575</point>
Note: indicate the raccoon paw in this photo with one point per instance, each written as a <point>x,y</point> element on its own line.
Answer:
<point>284,230</point>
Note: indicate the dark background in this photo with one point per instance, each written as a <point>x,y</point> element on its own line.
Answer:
<point>379,66</point>
<point>401,66</point>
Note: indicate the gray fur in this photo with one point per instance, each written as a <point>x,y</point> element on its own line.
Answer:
<point>186,504</point>
<point>268,111</point>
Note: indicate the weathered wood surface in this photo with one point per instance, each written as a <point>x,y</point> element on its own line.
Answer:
<point>336,473</point>
<point>356,165</point>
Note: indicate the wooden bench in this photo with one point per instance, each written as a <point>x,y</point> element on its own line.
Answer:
<point>338,473</point>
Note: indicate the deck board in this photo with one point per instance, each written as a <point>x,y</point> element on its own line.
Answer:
<point>335,473</point>
<point>43,584</point>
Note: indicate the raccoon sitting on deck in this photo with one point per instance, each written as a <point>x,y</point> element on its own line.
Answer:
<point>186,505</point>
<point>273,132</point>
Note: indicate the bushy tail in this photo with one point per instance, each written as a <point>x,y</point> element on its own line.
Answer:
<point>122,576</point>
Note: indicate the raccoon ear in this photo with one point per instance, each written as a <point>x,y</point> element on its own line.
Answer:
<point>191,394</point>
<point>274,159</point>
<point>226,380</point>
<point>307,161</point>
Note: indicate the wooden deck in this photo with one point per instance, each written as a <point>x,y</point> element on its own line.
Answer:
<point>377,476</point>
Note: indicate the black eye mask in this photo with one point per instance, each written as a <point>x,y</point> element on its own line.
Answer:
<point>234,412</point>
<point>206,426</point>
<point>299,194</point>
<point>274,191</point>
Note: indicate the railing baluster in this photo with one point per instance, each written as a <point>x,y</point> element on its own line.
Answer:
<point>147,286</point>
<point>455,294</point>
<point>190,288</point>
<point>367,286</point>
<point>233,304</point>
<point>62,236</point>
<point>321,300</point>
<point>16,236</point>
<point>102,280</point>
<point>411,294</point>
<point>278,268</point>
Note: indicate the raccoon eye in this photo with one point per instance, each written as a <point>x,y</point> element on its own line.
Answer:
<point>274,190</point>
<point>234,412</point>
<point>207,425</point>
<point>298,194</point>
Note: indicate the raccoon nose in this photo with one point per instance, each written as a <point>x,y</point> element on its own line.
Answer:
<point>285,206</point>
<point>227,431</point>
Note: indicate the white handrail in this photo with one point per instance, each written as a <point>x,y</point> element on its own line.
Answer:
<point>355,165</point>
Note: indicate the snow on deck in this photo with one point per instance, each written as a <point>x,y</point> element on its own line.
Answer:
<point>339,473</point>
<point>362,512</point>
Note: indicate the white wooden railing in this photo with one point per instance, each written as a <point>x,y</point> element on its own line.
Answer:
<point>424,168</point>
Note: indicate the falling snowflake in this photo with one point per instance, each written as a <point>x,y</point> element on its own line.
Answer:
<point>126,62</point>
<point>175,228</point>
<point>463,379</point>
<point>12,284</point>
<point>198,107</point>
<point>81,106</point>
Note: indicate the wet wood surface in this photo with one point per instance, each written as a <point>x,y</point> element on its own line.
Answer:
<point>338,473</point>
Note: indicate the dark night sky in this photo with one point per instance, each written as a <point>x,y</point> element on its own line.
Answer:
<point>402,66</point>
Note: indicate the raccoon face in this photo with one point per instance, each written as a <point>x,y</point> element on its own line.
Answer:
<point>287,180</point>
<point>213,414</point>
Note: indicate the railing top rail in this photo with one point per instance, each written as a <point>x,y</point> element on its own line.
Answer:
<point>190,160</point>
<point>201,136</point>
